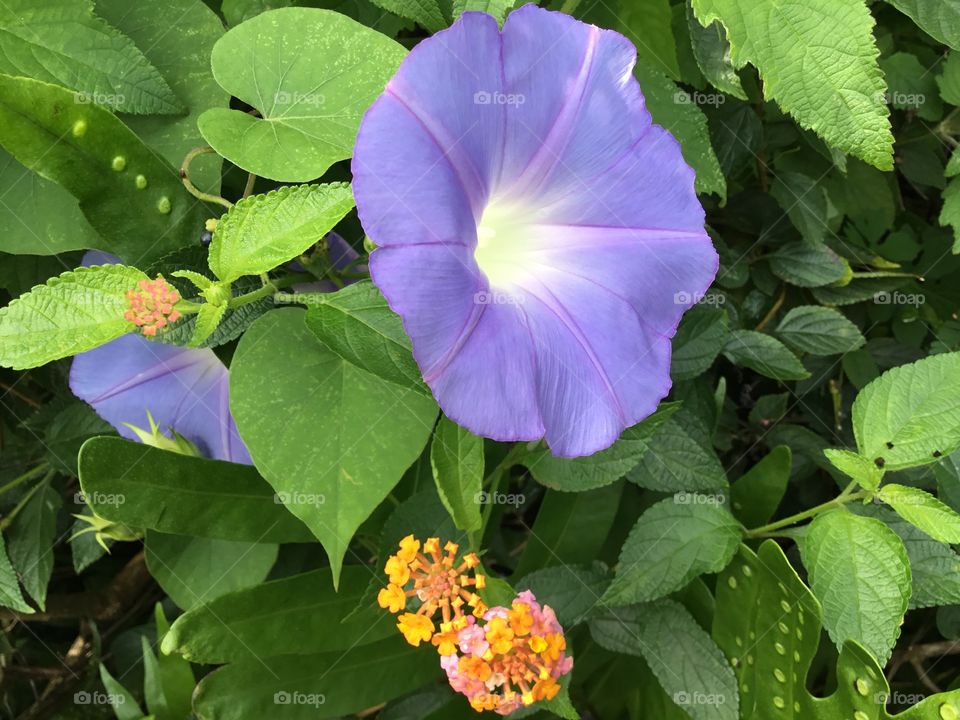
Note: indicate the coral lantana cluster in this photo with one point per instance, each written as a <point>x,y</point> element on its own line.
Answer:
<point>151,307</point>
<point>437,581</point>
<point>500,658</point>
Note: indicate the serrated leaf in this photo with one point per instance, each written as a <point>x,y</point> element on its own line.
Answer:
<point>818,60</point>
<point>132,197</point>
<point>496,8</point>
<point>428,13</point>
<point>678,461</point>
<point>856,467</point>
<point>358,325</point>
<point>819,331</point>
<point>599,469</point>
<point>208,319</point>
<point>911,86</point>
<point>923,510</point>
<point>700,337</point>
<point>860,572</point>
<point>290,64</point>
<point>685,659</point>
<point>63,42</point>
<point>939,19</point>
<point>804,202</point>
<point>10,595</point>
<point>764,354</point>
<point>910,415</point>
<point>331,438</point>
<point>572,591</point>
<point>673,542</point>
<point>79,310</point>
<point>31,540</point>
<point>675,110</point>
<point>456,457</point>
<point>712,53</point>
<point>263,231</point>
<point>950,212</point>
<point>808,264</point>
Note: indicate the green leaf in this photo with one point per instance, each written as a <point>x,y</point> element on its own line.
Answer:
<point>10,595</point>
<point>331,438</point>
<point>686,661</point>
<point>132,198</point>
<point>208,319</point>
<point>39,217</point>
<point>496,8</point>
<point>712,52</point>
<point>675,110</point>
<point>860,572</point>
<point>315,687</point>
<point>808,264</point>
<point>767,622</point>
<point>63,42</point>
<point>124,703</point>
<point>949,79</point>
<point>428,13</point>
<point>950,213</point>
<point>181,52</point>
<point>77,311</point>
<point>358,325</point>
<point>572,591</point>
<point>805,203</point>
<point>678,461</point>
<point>856,467</point>
<point>299,615</point>
<point>153,690</point>
<point>673,542</point>
<point>818,60</point>
<point>756,495</point>
<point>910,415</point>
<point>176,675</point>
<point>646,23</point>
<point>195,570</point>
<point>263,231</point>
<point>764,354</point>
<point>923,510</point>
<point>911,86</point>
<point>819,331</point>
<point>456,456</point>
<point>599,469</point>
<point>940,20</point>
<point>700,337</point>
<point>290,64</point>
<point>31,540</point>
<point>144,487</point>
<point>570,528</point>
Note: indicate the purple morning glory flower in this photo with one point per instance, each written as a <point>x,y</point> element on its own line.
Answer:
<point>183,389</point>
<point>538,235</point>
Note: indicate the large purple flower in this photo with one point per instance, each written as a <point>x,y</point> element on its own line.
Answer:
<point>538,235</point>
<point>183,389</point>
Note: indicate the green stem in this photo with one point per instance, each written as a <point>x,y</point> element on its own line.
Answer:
<point>9,517</point>
<point>23,478</point>
<point>268,289</point>
<point>193,189</point>
<point>842,499</point>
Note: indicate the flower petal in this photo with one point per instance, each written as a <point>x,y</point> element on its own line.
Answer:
<point>183,389</point>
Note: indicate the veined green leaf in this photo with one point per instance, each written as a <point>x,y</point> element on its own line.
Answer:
<point>456,456</point>
<point>819,331</point>
<point>764,354</point>
<point>818,60</point>
<point>856,467</point>
<point>923,510</point>
<point>79,310</point>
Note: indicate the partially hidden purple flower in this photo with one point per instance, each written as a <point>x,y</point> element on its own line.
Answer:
<point>539,237</point>
<point>183,389</point>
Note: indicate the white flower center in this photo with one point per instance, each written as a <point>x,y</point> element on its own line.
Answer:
<point>504,241</point>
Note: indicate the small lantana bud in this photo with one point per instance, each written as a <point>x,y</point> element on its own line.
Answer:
<point>151,307</point>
